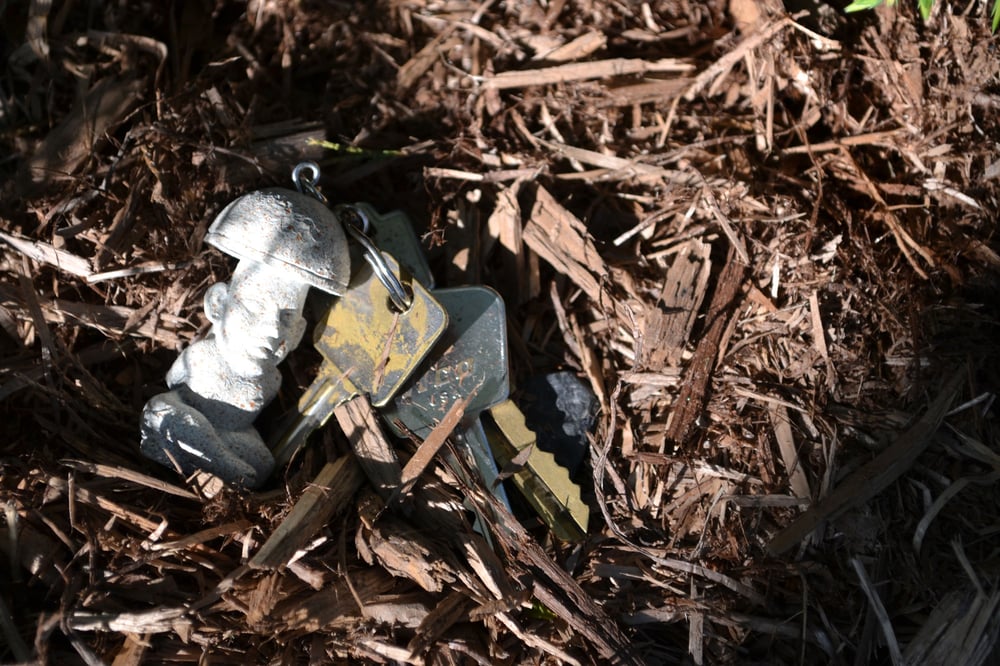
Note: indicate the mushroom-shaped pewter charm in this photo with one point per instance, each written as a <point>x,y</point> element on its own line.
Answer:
<point>286,242</point>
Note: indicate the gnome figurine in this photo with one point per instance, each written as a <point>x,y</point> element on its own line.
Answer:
<point>286,242</point>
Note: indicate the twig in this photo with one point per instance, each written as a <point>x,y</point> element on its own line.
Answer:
<point>125,474</point>
<point>425,453</point>
<point>47,254</point>
<point>583,71</point>
<point>726,62</point>
<point>692,396</point>
<point>141,269</point>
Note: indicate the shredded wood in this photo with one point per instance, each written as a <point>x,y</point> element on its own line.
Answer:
<point>766,243</point>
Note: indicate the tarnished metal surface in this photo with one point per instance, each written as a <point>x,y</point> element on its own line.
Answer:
<point>288,231</point>
<point>363,338</point>
<point>470,359</point>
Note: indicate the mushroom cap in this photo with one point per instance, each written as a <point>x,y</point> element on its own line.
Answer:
<point>289,231</point>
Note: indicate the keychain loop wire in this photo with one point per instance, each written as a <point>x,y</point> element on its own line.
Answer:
<point>401,300</point>
<point>307,184</point>
<point>357,225</point>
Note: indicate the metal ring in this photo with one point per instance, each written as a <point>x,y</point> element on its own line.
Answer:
<point>307,185</point>
<point>358,214</point>
<point>401,300</point>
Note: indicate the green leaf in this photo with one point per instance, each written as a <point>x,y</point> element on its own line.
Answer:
<point>861,5</point>
<point>353,151</point>
<point>996,14</point>
<point>925,8</point>
<point>540,612</point>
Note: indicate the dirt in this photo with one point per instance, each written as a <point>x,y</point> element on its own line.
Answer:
<point>766,241</point>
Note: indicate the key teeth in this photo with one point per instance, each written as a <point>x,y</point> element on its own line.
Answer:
<point>557,476</point>
<point>542,477</point>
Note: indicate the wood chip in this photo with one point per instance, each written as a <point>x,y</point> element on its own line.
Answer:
<point>424,59</point>
<point>585,70</point>
<point>666,325</point>
<point>327,495</point>
<point>691,401</point>
<point>377,458</point>
<point>559,238</point>
<point>579,48</point>
<point>782,428</point>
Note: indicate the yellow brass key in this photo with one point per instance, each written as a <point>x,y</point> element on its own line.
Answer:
<point>542,481</point>
<point>369,346</point>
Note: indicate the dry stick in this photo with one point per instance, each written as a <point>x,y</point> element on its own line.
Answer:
<point>615,163</point>
<point>875,476</point>
<point>584,70</point>
<point>154,621</point>
<point>139,269</point>
<point>579,48</point>
<point>692,396</point>
<point>125,474</point>
<point>819,340</point>
<point>133,519</point>
<point>329,493</point>
<point>227,529</point>
<point>727,226</point>
<point>782,428</point>
<point>425,453</point>
<point>464,25</point>
<point>45,253</point>
<point>500,176</point>
<point>865,139</point>
<point>726,62</point>
<point>423,60</point>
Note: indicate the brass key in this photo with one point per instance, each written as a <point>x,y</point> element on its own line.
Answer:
<point>369,346</point>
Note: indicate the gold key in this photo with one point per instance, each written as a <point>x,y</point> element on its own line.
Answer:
<point>542,481</point>
<point>369,345</point>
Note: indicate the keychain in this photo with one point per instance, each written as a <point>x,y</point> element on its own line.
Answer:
<point>286,242</point>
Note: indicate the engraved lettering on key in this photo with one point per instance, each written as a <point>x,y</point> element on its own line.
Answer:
<point>444,382</point>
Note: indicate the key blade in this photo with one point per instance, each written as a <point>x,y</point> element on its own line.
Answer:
<point>473,439</point>
<point>383,347</point>
<point>314,410</point>
<point>543,482</point>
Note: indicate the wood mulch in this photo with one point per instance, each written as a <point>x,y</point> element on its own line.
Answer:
<point>767,241</point>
